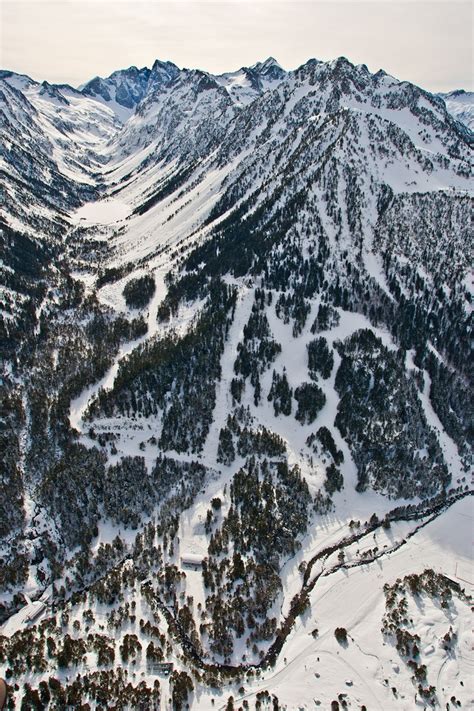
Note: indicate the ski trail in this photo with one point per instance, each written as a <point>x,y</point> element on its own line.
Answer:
<point>223,397</point>
<point>80,404</point>
<point>448,447</point>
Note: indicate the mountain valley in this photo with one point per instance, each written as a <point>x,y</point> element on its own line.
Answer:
<point>237,423</point>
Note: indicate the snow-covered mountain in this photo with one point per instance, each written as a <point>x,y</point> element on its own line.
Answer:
<point>246,84</point>
<point>460,104</point>
<point>237,432</point>
<point>124,89</point>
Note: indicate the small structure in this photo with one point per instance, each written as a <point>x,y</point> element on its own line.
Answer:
<point>160,668</point>
<point>191,561</point>
<point>29,613</point>
<point>34,610</point>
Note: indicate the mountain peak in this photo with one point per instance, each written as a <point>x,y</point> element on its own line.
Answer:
<point>270,68</point>
<point>168,68</point>
<point>269,62</point>
<point>52,92</point>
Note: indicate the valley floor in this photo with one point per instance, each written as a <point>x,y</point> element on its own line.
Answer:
<point>313,668</point>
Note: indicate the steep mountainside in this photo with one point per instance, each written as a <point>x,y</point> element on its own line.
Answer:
<point>236,324</point>
<point>460,104</point>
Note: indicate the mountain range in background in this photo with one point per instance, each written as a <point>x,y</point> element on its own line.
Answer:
<point>125,88</point>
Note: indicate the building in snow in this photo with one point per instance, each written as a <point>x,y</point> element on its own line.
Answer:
<point>34,610</point>
<point>191,561</point>
<point>161,668</point>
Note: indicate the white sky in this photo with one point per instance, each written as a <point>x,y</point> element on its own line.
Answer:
<point>429,43</point>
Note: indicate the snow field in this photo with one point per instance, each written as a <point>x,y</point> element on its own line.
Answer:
<point>367,669</point>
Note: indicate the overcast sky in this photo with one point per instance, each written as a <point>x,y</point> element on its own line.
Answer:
<point>429,43</point>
